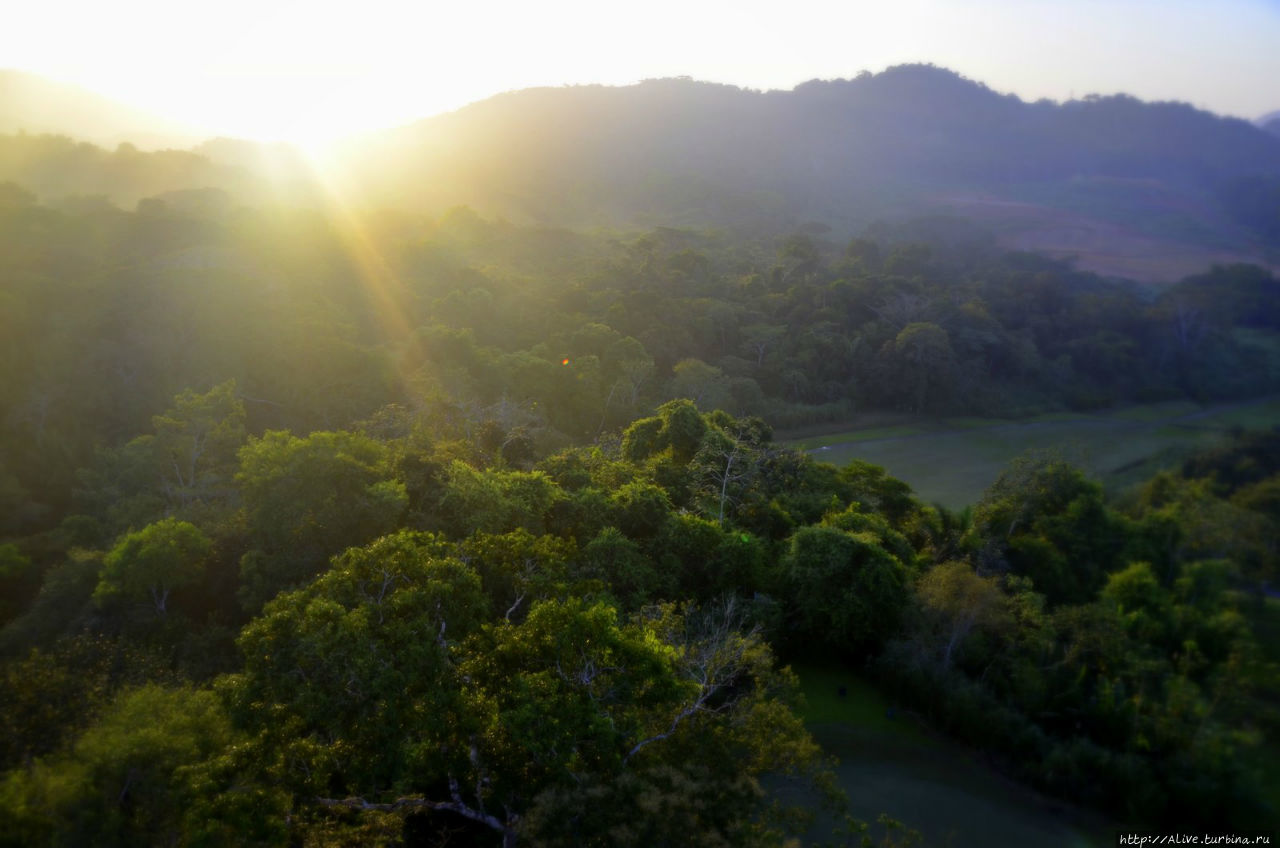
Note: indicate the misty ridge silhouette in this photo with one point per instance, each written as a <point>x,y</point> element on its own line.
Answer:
<point>910,140</point>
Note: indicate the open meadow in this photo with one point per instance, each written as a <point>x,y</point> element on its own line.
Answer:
<point>889,763</point>
<point>951,461</point>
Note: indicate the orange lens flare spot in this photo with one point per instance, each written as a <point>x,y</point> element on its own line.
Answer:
<point>564,361</point>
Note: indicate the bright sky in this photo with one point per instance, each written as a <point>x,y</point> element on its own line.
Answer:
<point>316,69</point>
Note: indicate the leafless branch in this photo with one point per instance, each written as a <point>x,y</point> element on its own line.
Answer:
<point>511,610</point>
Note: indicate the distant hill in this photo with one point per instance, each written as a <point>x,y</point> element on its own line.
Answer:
<point>1111,180</point>
<point>59,170</point>
<point>1270,122</point>
<point>1150,191</point>
<point>828,149</point>
<point>35,105</point>
<point>59,141</point>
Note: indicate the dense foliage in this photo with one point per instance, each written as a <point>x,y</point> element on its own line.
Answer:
<point>405,530</point>
<point>519,341</point>
<point>594,634</point>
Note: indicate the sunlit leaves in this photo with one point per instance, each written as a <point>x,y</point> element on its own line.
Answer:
<point>350,673</point>
<point>308,499</point>
<point>495,501</point>
<point>152,562</point>
<point>122,781</point>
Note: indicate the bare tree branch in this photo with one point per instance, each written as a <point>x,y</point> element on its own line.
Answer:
<point>511,609</point>
<point>713,660</point>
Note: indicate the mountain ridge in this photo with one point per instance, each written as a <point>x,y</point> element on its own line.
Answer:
<point>911,114</point>
<point>1125,187</point>
<point>1128,175</point>
<point>1270,122</point>
<point>38,105</point>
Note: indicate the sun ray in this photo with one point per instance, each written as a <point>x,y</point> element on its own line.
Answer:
<point>386,293</point>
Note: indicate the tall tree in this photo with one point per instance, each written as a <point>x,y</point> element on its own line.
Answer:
<point>152,562</point>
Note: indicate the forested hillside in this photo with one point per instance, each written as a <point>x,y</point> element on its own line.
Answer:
<point>1151,191</point>
<point>442,495</point>
<point>421,530</point>
<point>541,338</point>
<point>34,105</point>
<point>842,151</point>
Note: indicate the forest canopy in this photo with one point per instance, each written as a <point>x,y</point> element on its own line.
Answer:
<point>403,528</point>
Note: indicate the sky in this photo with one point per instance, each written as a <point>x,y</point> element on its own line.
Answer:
<point>317,70</point>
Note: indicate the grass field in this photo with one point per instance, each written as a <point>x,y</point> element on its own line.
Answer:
<point>887,763</point>
<point>952,461</point>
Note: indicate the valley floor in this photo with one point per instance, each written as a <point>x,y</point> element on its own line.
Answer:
<point>951,461</point>
<point>888,763</point>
